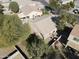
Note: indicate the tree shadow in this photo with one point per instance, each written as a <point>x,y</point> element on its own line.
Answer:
<point>65,34</point>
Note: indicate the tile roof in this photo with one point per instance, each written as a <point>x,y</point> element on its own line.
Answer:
<point>29,8</point>
<point>73,45</point>
<point>5,51</point>
<point>45,26</point>
<point>75,31</point>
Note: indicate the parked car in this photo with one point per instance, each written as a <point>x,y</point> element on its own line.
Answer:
<point>76,11</point>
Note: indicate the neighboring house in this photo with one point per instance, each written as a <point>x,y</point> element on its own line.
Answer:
<point>11,53</point>
<point>73,40</point>
<point>24,2</point>
<point>65,1</point>
<point>31,10</point>
<point>5,51</point>
<point>44,27</point>
<point>16,55</point>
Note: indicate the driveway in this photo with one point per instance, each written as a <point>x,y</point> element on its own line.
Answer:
<point>44,2</point>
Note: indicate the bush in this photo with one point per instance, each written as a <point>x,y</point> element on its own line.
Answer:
<point>68,6</point>
<point>12,30</point>
<point>72,4</point>
<point>66,19</point>
<point>36,47</point>
<point>14,7</point>
<point>54,4</point>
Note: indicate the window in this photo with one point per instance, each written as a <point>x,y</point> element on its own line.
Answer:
<point>76,39</point>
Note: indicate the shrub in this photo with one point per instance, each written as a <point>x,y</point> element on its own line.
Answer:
<point>36,47</point>
<point>14,7</point>
<point>54,4</point>
<point>72,4</point>
<point>12,30</point>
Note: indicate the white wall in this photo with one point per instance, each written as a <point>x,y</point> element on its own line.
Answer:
<point>71,37</point>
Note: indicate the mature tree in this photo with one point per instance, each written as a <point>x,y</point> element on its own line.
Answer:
<point>14,7</point>
<point>66,19</point>
<point>36,47</point>
<point>1,9</point>
<point>72,4</point>
<point>54,4</point>
<point>57,5</point>
<point>12,30</point>
<point>68,6</point>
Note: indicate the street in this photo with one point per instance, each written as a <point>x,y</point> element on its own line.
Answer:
<point>44,2</point>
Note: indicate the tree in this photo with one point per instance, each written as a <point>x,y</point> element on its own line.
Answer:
<point>68,6</point>
<point>1,9</point>
<point>36,47</point>
<point>61,22</point>
<point>66,19</point>
<point>12,30</point>
<point>14,7</point>
<point>72,4</point>
<point>54,4</point>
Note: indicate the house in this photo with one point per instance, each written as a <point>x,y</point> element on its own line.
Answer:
<point>5,51</point>
<point>31,10</point>
<point>44,27</point>
<point>11,53</point>
<point>73,39</point>
<point>16,55</point>
<point>24,2</point>
<point>65,1</point>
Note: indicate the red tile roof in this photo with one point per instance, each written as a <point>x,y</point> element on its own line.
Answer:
<point>75,30</point>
